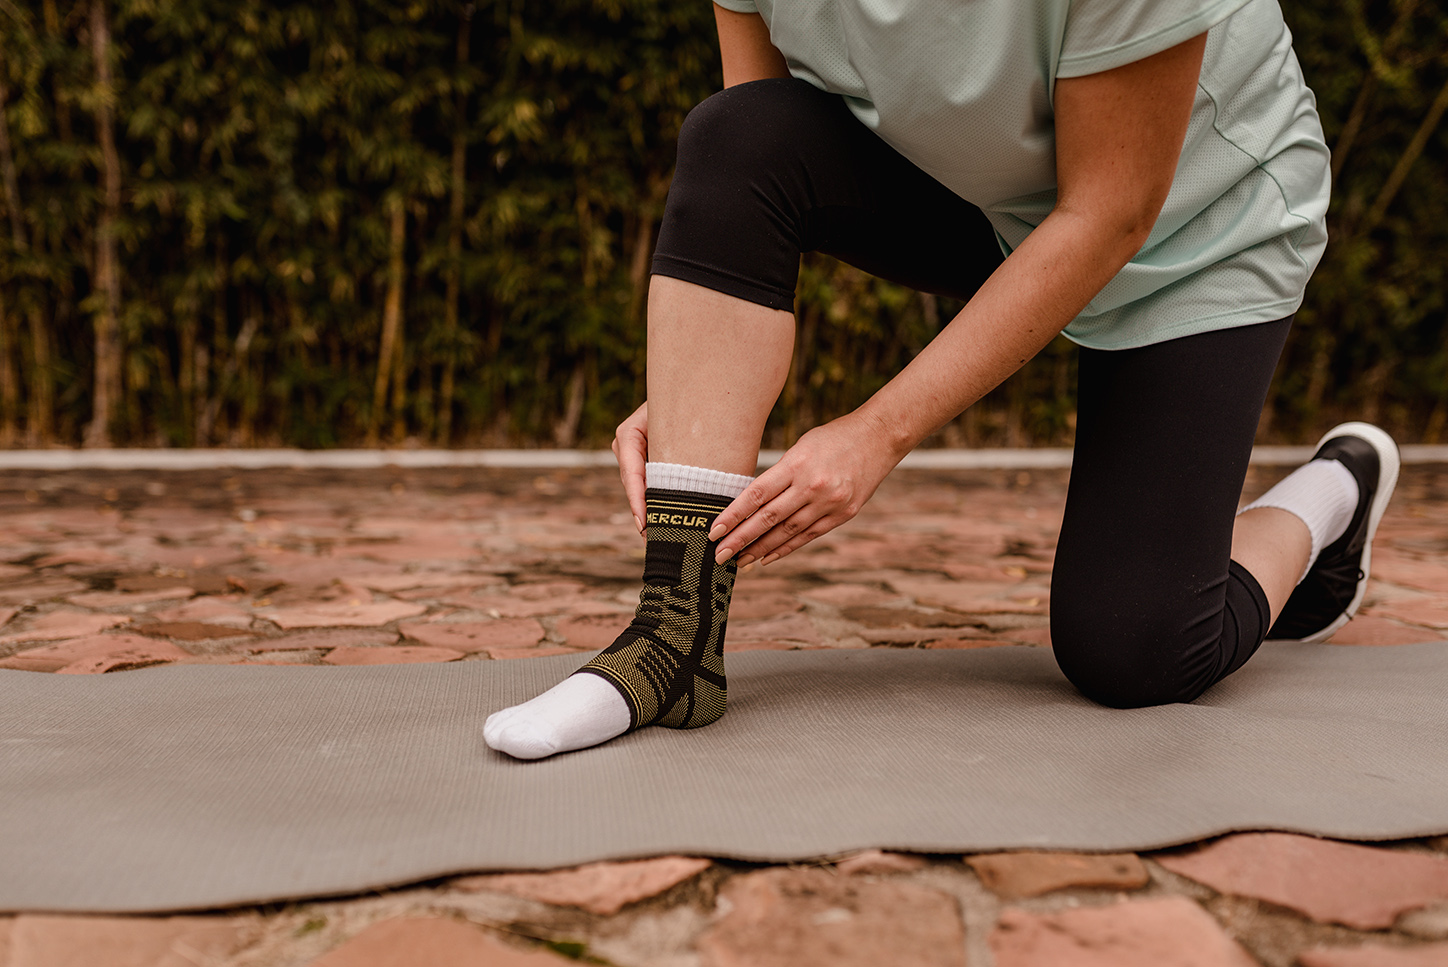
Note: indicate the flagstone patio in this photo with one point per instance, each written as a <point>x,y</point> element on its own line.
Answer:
<point>105,572</point>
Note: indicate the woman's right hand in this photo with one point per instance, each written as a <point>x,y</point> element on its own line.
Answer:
<point>631,449</point>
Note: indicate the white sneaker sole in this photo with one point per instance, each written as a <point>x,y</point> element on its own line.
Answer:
<point>1389,463</point>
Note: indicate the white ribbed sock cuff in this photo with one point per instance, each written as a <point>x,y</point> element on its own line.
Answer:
<point>1323,494</point>
<point>699,480</point>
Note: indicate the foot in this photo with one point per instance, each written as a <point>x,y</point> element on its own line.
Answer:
<point>1329,595</point>
<point>667,668</point>
<point>578,712</point>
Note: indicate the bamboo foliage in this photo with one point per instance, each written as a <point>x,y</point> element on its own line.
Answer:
<point>255,222</point>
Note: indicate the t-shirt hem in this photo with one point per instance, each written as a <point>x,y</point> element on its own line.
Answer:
<point>1268,312</point>
<point>738,6</point>
<point>1139,48</point>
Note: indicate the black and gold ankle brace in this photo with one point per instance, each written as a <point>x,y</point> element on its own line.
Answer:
<point>669,663</point>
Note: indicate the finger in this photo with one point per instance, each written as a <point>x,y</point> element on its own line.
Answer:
<point>773,524</point>
<point>631,450</point>
<point>766,487</point>
<point>819,528</point>
<point>788,531</point>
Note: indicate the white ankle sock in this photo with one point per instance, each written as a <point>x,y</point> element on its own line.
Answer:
<point>1323,494</point>
<point>584,709</point>
<point>580,711</point>
<point>698,480</point>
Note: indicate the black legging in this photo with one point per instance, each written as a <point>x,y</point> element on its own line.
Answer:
<point>1147,606</point>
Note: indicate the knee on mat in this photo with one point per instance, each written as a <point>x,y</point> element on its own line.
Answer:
<point>1119,664</point>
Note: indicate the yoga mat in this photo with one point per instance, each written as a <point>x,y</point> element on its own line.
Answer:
<point>188,787</point>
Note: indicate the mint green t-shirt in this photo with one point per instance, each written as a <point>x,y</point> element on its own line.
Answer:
<point>964,90</point>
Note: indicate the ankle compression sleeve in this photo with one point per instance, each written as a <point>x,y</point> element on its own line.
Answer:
<point>669,664</point>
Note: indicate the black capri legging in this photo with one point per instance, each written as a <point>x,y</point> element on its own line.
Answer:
<point>1147,606</point>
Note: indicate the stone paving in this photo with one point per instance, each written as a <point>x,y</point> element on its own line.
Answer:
<point>107,572</point>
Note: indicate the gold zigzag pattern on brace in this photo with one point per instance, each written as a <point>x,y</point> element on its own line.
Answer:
<point>669,663</point>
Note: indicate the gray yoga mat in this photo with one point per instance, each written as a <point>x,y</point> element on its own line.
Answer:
<point>202,786</point>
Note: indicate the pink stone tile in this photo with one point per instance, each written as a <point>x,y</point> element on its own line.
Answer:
<point>602,888</point>
<point>432,942</point>
<point>80,555</point>
<point>852,594</point>
<point>190,630</point>
<point>56,657</point>
<point>985,573</point>
<point>469,636</point>
<point>1168,932</point>
<point>215,610</point>
<point>752,604</point>
<point>410,551</point>
<point>324,640</point>
<point>504,605</point>
<point>5,615</point>
<point>971,597</point>
<point>28,591</point>
<point>1396,568</point>
<point>1357,886</point>
<point>340,614</point>
<point>390,582</point>
<point>874,861</point>
<point>593,631</point>
<point>1367,629</point>
<point>1376,955</point>
<point>76,941</point>
<point>8,572</point>
<point>732,645</point>
<point>1039,637</point>
<point>1018,875</point>
<point>394,655</point>
<point>785,917</point>
<point>1432,612</point>
<point>64,624</point>
<point>787,627</point>
<point>128,599</point>
<point>155,653</point>
<point>547,590</point>
<point>957,643</point>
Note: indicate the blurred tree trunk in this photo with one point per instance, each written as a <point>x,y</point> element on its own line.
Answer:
<point>457,199</point>
<point>387,352</point>
<point>39,423</point>
<point>107,392</point>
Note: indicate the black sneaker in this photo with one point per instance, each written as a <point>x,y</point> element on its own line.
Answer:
<point>1329,595</point>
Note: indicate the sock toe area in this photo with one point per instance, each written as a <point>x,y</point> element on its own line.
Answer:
<point>580,711</point>
<point>522,738</point>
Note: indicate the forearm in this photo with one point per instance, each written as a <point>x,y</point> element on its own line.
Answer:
<point>1025,304</point>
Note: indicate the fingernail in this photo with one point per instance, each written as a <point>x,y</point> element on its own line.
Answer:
<point>746,560</point>
<point>769,560</point>
<point>639,524</point>
<point>747,568</point>
<point>723,556</point>
<point>715,532</point>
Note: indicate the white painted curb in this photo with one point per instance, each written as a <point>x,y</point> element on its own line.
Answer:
<point>159,459</point>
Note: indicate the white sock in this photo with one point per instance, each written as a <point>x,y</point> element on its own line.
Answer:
<point>1323,494</point>
<point>580,711</point>
<point>584,710</point>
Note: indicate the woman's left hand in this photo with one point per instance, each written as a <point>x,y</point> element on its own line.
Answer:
<point>821,482</point>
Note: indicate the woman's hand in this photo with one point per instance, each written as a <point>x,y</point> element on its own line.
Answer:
<point>821,482</point>
<point>631,450</point>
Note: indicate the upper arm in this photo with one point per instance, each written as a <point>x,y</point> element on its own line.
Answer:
<point>1119,135</point>
<point>745,48</point>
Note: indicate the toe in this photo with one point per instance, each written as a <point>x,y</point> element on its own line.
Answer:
<point>521,740</point>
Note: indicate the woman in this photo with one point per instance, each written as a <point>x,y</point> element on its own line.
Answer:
<point>1155,173</point>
